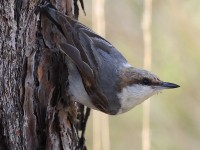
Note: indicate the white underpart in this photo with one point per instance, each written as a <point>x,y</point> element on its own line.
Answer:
<point>77,90</point>
<point>131,96</point>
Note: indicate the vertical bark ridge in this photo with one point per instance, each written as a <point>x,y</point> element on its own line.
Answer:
<point>35,108</point>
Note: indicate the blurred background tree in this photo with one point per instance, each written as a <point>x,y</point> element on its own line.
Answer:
<point>174,114</point>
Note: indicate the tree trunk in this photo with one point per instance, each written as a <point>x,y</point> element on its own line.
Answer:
<point>35,108</point>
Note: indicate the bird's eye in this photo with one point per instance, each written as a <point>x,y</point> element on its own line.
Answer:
<point>146,81</point>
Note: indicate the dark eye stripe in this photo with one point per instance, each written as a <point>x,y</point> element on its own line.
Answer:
<point>146,81</point>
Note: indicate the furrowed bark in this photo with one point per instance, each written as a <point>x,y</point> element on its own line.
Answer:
<point>35,108</point>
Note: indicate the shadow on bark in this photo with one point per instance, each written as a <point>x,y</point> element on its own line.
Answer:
<point>35,107</point>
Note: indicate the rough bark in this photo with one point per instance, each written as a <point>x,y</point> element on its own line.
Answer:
<point>35,109</point>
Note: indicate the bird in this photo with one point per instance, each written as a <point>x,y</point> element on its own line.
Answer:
<point>99,75</point>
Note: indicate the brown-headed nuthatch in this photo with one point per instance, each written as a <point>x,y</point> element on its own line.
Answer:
<point>102,79</point>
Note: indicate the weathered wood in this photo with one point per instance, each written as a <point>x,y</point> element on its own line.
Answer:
<point>35,109</point>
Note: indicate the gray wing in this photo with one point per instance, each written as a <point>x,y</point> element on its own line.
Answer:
<point>95,57</point>
<point>104,60</point>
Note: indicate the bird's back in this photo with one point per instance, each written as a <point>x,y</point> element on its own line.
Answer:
<point>105,61</point>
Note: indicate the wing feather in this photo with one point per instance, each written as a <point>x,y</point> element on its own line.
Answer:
<point>74,54</point>
<point>83,58</point>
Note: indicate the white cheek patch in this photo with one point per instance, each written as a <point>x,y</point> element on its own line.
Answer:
<point>133,95</point>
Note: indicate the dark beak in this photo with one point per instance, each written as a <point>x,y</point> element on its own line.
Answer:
<point>167,85</point>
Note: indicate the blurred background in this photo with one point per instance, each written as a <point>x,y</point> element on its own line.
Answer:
<point>174,114</point>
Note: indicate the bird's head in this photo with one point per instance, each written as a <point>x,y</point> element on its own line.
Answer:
<point>137,85</point>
